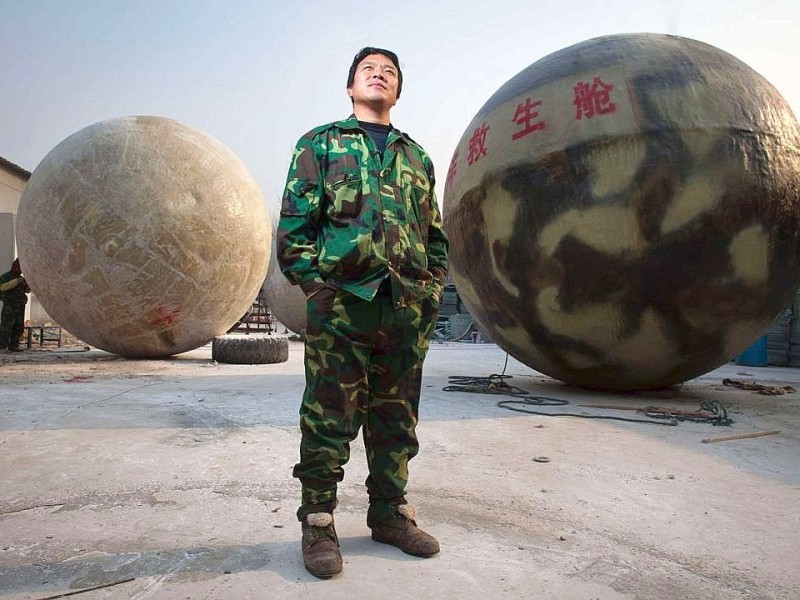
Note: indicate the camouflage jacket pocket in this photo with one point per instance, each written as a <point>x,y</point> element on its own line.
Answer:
<point>345,195</point>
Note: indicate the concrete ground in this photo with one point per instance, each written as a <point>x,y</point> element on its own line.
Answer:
<point>171,479</point>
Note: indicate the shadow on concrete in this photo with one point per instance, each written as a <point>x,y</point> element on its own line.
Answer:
<point>178,566</point>
<point>106,569</point>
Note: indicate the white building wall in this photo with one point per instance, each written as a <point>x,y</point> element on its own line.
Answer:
<point>12,184</point>
<point>11,188</point>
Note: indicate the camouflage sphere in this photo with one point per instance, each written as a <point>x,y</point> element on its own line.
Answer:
<point>623,214</point>
<point>143,237</point>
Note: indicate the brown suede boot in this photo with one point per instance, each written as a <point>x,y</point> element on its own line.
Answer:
<point>321,546</point>
<point>401,530</point>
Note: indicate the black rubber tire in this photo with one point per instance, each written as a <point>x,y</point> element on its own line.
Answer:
<point>253,349</point>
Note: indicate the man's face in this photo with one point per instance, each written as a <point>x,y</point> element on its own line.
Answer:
<point>375,82</point>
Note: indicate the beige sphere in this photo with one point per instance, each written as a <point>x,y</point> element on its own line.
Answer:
<point>143,236</point>
<point>287,302</point>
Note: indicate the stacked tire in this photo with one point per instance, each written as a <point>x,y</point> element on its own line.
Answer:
<point>250,349</point>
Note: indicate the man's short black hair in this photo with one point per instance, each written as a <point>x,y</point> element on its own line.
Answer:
<point>364,53</point>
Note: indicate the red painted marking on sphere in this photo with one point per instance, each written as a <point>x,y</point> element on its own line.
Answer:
<point>477,144</point>
<point>164,317</point>
<point>524,115</point>
<point>591,100</point>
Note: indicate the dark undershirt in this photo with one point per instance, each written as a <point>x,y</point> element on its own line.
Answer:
<point>378,132</point>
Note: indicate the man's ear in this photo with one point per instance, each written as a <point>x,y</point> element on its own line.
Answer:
<point>350,92</point>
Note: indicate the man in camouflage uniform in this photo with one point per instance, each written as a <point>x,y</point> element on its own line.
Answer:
<point>361,233</point>
<point>13,294</point>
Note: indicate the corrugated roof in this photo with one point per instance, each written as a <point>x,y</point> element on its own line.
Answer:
<point>16,169</point>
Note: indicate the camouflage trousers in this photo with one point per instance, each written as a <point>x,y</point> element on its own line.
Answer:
<point>12,324</point>
<point>363,367</point>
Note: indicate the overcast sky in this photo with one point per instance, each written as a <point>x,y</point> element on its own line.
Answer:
<point>257,74</point>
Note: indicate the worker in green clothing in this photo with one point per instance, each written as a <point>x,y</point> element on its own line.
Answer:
<point>14,295</point>
<point>361,233</point>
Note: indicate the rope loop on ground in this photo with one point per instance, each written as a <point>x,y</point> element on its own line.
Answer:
<point>712,411</point>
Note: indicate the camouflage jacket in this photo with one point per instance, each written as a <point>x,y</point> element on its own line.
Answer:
<point>15,295</point>
<point>349,219</point>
